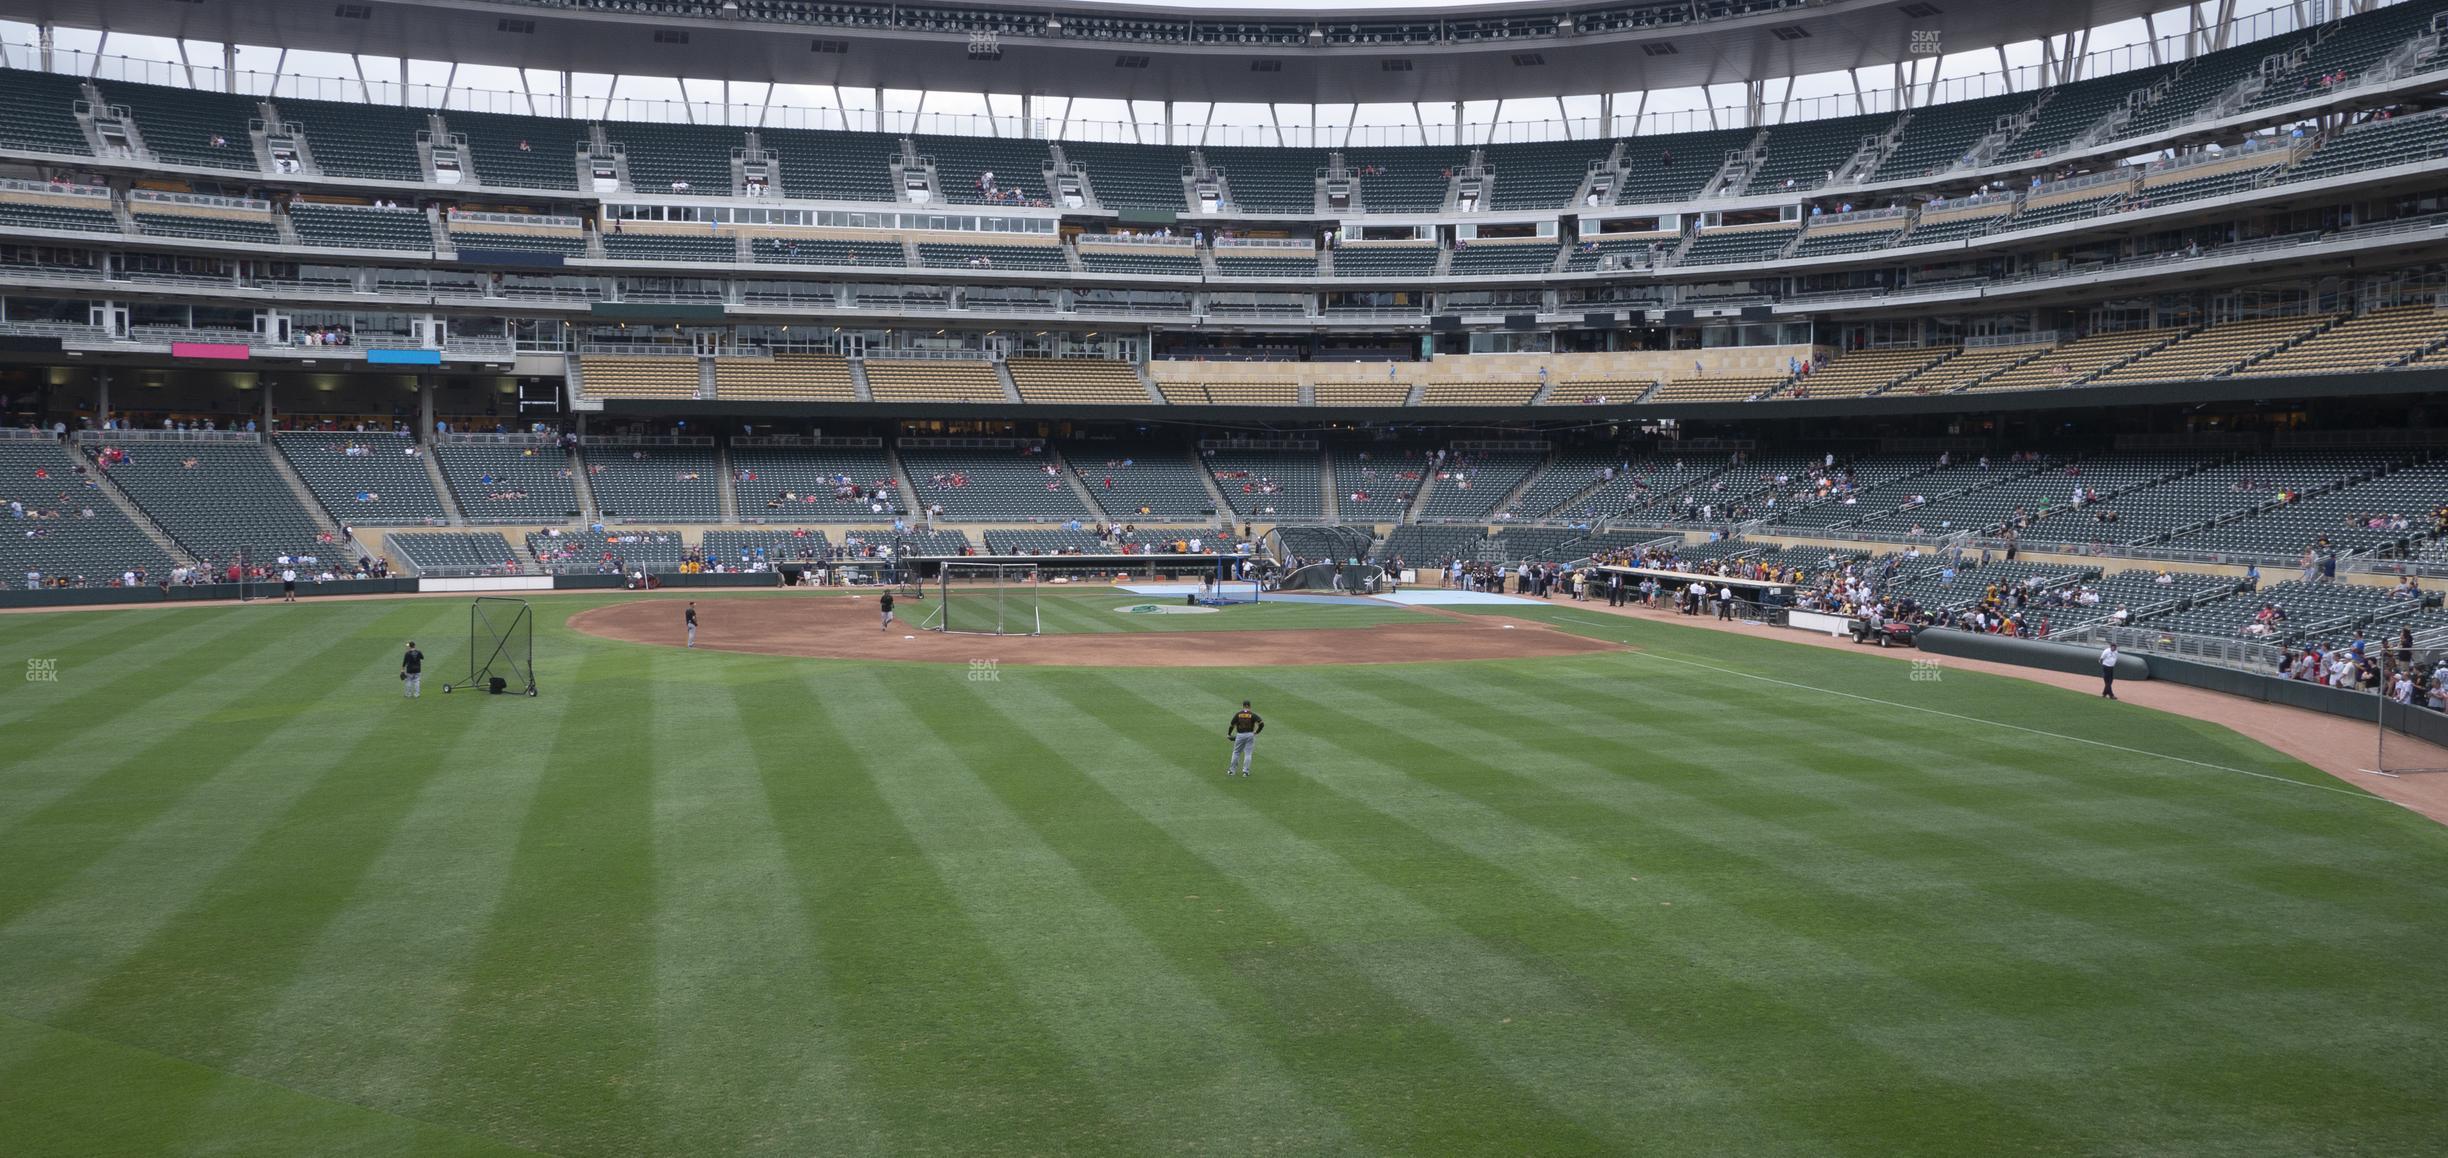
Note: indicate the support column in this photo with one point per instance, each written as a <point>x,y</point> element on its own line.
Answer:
<point>229,68</point>
<point>1458,138</point>
<point>879,108</point>
<point>425,407</point>
<point>102,409</point>
<point>263,385</point>
<point>42,40</point>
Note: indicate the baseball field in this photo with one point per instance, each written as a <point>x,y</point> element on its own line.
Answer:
<point>1648,889</point>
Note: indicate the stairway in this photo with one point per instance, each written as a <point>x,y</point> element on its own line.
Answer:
<point>1332,510</point>
<point>441,486</point>
<point>325,521</point>
<point>587,510</point>
<point>1079,489</point>
<point>136,514</point>
<point>726,492</point>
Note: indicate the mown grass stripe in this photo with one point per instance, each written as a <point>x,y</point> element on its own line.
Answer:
<point>551,1035</point>
<point>1128,1019</point>
<point>81,820</point>
<point>1325,949</point>
<point>732,948</point>
<point>362,1017</point>
<point>958,1060</point>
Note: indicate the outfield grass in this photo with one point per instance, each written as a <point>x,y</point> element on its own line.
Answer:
<point>700,903</point>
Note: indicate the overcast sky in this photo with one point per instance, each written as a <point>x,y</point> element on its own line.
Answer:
<point>335,77</point>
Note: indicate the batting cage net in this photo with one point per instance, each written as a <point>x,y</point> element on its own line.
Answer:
<point>986,599</point>
<point>501,648</point>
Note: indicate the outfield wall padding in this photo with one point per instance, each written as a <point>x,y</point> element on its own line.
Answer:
<point>203,593</point>
<point>2073,659</point>
<point>2263,687</point>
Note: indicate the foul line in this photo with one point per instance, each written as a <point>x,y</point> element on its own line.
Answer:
<point>1651,654</point>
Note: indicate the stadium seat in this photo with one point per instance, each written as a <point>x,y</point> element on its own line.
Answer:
<point>363,479</point>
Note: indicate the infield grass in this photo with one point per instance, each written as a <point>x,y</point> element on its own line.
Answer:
<point>695,903</point>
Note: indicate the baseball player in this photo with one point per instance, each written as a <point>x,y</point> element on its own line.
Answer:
<point>412,670</point>
<point>691,619</point>
<point>1243,731</point>
<point>2108,662</point>
<point>887,602</point>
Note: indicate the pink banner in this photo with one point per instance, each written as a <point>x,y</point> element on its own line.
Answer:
<point>225,351</point>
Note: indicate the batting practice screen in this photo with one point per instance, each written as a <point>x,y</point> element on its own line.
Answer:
<point>986,599</point>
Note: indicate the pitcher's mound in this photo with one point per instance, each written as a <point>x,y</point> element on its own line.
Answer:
<point>829,628</point>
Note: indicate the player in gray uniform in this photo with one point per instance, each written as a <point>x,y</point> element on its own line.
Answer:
<point>1243,731</point>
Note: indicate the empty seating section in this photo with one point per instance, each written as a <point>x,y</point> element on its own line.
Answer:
<point>2071,110</point>
<point>363,479</point>
<point>934,381</point>
<point>992,256</point>
<point>377,142</point>
<point>1737,244</point>
<point>1232,393</point>
<point>1137,483</point>
<point>1376,486</point>
<point>775,545</point>
<point>55,538</point>
<point>2213,351</point>
<point>1952,227</point>
<point>453,552</point>
<point>612,550</point>
<point>1269,180</point>
<point>1265,263</point>
<point>1361,393</point>
<point>2397,141</point>
<point>210,227</point>
<point>2140,593</point>
<point>2058,211</point>
<point>785,377</point>
<point>1079,381</point>
<point>700,247</point>
<point>1477,393</point>
<point>509,484</point>
<point>567,244</point>
<point>1966,366</point>
<point>1470,486</point>
<point>2029,490</point>
<point>1856,239</point>
<point>1940,136</point>
<point>1674,167</point>
<point>516,152</point>
<point>2343,519</point>
<point>1865,372</point>
<point>825,251</point>
<point>1540,174</point>
<point>189,126</point>
<point>2352,48</point>
<point>1538,544</point>
<point>2076,360</point>
<point>2227,179</point>
<point>661,156</point>
<point>1170,261</point>
<point>2191,90</point>
<point>832,165</point>
<point>2206,496</point>
<point>1405,180</point>
<point>992,485</point>
<point>87,215</point>
<point>622,376</point>
<point>814,485</point>
<point>1018,165</point>
<point>661,484</point>
<point>1420,546</point>
<point>1269,485</point>
<point>1886,484</point>
<point>38,112</point>
<point>218,498</point>
<point>1597,391</point>
<point>2311,609</point>
<point>2383,337</point>
<point>361,227</point>
<point>1805,154</point>
<point>1730,388</point>
<point>1132,178</point>
<point>1508,257</point>
<point>1062,542</point>
<point>1372,260</point>
<point>1596,253</point>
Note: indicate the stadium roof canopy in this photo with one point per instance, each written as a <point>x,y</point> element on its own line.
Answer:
<point>1543,49</point>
